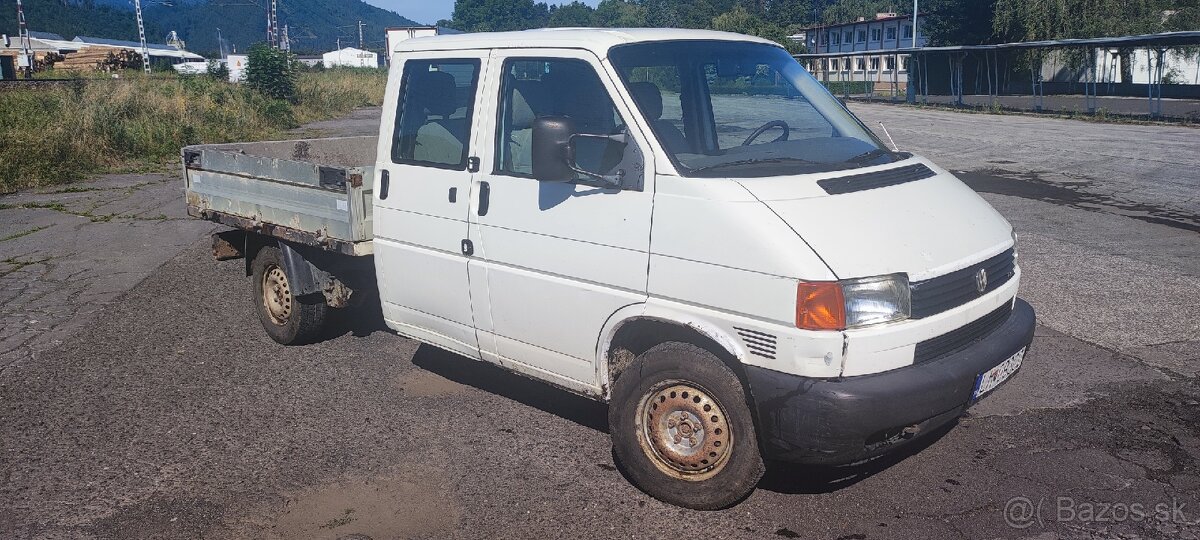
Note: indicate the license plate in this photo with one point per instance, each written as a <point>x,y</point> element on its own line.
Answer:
<point>990,379</point>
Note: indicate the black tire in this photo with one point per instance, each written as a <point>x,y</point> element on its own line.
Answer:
<point>299,320</point>
<point>635,419</point>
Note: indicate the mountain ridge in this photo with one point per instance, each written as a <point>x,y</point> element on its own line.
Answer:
<point>313,25</point>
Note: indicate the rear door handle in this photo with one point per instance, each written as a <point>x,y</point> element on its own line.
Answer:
<point>485,196</point>
<point>384,180</point>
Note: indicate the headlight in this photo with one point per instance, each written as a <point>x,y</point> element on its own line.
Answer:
<point>875,300</point>
<point>852,303</point>
<point>1014,237</point>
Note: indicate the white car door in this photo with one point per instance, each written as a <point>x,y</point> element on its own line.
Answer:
<point>558,258</point>
<point>423,178</point>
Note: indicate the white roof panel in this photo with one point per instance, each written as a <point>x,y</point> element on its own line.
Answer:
<point>597,40</point>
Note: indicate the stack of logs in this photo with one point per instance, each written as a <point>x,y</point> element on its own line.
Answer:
<point>101,59</point>
<point>42,60</point>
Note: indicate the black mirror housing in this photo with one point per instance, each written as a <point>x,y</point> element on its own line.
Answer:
<point>551,149</point>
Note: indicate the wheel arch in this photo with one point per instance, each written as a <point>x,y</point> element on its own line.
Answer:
<point>635,329</point>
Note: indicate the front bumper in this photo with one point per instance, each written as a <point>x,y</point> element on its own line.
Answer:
<point>841,421</point>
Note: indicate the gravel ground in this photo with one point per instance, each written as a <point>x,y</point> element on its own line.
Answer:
<point>167,413</point>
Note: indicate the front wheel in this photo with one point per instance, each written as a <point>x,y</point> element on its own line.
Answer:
<point>682,429</point>
<point>288,319</point>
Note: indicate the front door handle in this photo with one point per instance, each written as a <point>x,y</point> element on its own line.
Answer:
<point>485,197</point>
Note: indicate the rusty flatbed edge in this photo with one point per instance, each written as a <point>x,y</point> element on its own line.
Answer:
<point>354,249</point>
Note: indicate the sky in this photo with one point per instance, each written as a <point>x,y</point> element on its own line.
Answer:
<point>430,11</point>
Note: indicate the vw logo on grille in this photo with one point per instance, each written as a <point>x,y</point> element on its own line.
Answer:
<point>981,280</point>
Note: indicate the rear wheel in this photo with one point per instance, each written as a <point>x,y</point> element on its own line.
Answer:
<point>682,430</point>
<point>288,319</point>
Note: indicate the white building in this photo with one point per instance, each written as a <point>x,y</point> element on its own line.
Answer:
<point>863,50</point>
<point>350,57</point>
<point>237,66</point>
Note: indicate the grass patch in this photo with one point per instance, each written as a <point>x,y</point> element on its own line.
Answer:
<point>17,235</point>
<point>16,264</point>
<point>59,134</point>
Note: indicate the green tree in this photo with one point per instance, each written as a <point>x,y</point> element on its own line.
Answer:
<point>574,14</point>
<point>499,15</point>
<point>741,21</point>
<point>619,14</point>
<point>1030,20</point>
<point>270,72</point>
<point>790,13</point>
<point>685,13</point>
<point>217,70</point>
<point>958,22</point>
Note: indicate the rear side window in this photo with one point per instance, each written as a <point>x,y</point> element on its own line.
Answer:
<point>433,116</point>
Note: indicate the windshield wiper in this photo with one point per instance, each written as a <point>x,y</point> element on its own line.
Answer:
<point>752,162</point>
<point>869,154</point>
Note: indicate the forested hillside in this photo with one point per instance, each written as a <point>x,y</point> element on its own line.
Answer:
<point>313,25</point>
<point>72,18</point>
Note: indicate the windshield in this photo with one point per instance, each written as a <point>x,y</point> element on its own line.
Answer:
<point>731,109</point>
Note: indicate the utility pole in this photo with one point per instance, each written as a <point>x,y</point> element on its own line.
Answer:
<point>361,44</point>
<point>914,45</point>
<point>137,7</point>
<point>284,42</point>
<point>26,54</point>
<point>273,25</point>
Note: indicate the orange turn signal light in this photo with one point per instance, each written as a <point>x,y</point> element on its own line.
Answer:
<point>820,306</point>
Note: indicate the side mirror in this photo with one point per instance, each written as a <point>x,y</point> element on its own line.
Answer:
<point>551,149</point>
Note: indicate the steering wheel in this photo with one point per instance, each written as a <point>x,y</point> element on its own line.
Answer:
<point>772,124</point>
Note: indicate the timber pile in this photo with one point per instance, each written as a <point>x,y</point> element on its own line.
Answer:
<point>42,60</point>
<point>101,59</point>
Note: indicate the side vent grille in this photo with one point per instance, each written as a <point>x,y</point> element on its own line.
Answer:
<point>758,343</point>
<point>875,180</point>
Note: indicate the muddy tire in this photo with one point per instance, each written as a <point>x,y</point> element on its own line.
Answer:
<point>682,430</point>
<point>287,319</point>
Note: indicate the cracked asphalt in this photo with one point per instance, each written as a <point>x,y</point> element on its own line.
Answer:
<point>139,397</point>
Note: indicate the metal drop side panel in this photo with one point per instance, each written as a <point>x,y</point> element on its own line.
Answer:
<point>315,191</point>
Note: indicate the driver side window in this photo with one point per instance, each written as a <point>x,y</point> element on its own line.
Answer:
<point>537,87</point>
<point>739,107</point>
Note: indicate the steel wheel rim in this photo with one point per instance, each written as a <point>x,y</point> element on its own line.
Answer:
<point>684,430</point>
<point>276,295</point>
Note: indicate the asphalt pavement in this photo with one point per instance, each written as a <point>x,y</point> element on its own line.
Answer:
<point>159,409</point>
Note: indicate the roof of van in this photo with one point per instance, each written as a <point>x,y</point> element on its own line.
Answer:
<point>597,40</point>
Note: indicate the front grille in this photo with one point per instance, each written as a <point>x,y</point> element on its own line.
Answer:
<point>876,179</point>
<point>948,291</point>
<point>963,337</point>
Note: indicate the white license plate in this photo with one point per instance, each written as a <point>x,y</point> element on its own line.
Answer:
<point>990,379</point>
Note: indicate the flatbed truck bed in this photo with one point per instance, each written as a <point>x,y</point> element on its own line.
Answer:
<point>315,192</point>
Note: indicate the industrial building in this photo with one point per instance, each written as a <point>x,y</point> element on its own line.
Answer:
<point>350,57</point>
<point>863,50</point>
<point>83,52</point>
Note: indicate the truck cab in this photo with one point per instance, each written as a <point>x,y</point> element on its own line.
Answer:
<point>684,224</point>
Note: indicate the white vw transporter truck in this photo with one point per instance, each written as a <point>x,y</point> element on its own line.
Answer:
<point>683,224</point>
